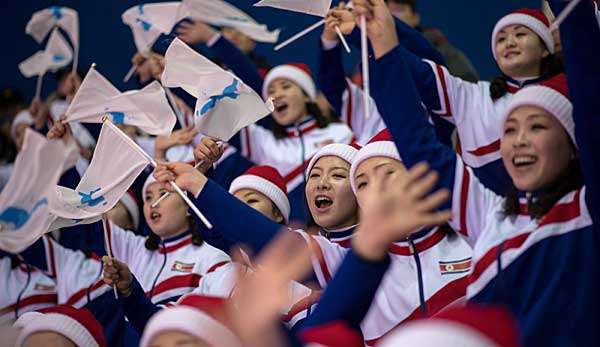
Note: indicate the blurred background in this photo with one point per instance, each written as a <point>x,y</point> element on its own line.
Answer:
<point>105,40</point>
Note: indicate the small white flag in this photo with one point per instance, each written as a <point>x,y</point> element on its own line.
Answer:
<point>57,54</point>
<point>147,109</point>
<point>221,13</point>
<point>43,21</point>
<point>224,103</point>
<point>25,200</point>
<point>149,21</point>
<point>114,167</point>
<point>314,7</point>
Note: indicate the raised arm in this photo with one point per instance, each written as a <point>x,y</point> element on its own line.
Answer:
<point>580,37</point>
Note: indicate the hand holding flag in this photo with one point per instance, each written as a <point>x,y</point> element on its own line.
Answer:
<point>313,7</point>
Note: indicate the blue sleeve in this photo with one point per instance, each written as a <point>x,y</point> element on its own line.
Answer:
<point>331,79</point>
<point>356,282</point>
<point>236,221</point>
<point>239,63</point>
<point>138,307</point>
<point>414,47</point>
<point>69,179</point>
<point>410,38</point>
<point>112,318</point>
<point>399,104</point>
<point>580,37</point>
<point>230,168</point>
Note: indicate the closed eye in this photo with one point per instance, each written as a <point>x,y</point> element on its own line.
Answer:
<point>361,185</point>
<point>509,131</point>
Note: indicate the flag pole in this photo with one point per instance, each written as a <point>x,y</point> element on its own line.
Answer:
<point>342,38</point>
<point>365,64</point>
<point>108,249</point>
<point>165,195</point>
<point>178,113</point>
<point>564,14</point>
<point>299,35</point>
<point>38,85</point>
<point>155,164</point>
<point>129,73</point>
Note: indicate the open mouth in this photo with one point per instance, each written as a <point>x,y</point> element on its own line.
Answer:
<point>155,216</point>
<point>511,54</point>
<point>523,161</point>
<point>323,202</point>
<point>281,107</point>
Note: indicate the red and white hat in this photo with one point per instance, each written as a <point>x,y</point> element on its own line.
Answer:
<point>149,180</point>
<point>298,73</point>
<point>551,95</point>
<point>78,325</point>
<point>533,19</point>
<point>267,181</point>
<point>381,145</point>
<point>131,204</point>
<point>347,153</point>
<point>469,326</point>
<point>198,315</point>
<point>332,334</point>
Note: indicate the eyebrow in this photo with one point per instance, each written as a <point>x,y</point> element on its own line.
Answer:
<point>249,194</point>
<point>339,168</point>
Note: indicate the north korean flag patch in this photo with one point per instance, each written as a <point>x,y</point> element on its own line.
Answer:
<point>455,267</point>
<point>182,267</point>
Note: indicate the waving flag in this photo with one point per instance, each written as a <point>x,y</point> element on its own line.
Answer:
<point>147,109</point>
<point>114,167</point>
<point>224,103</point>
<point>221,13</point>
<point>25,200</point>
<point>314,7</point>
<point>149,21</point>
<point>56,55</point>
<point>43,21</point>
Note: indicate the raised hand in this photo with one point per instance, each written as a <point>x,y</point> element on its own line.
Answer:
<point>397,205</point>
<point>195,32</point>
<point>60,130</point>
<point>184,175</point>
<point>381,28</point>
<point>116,273</point>
<point>340,16</point>
<point>208,151</point>
<point>259,296</point>
<point>178,137</point>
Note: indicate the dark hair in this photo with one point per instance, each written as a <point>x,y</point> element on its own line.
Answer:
<point>277,210</point>
<point>153,240</point>
<point>570,180</point>
<point>311,108</point>
<point>550,65</point>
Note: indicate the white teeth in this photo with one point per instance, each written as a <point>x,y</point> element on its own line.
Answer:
<point>522,160</point>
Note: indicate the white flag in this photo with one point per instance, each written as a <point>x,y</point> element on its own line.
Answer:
<point>25,200</point>
<point>224,103</point>
<point>147,109</point>
<point>43,21</point>
<point>115,165</point>
<point>57,54</point>
<point>149,21</point>
<point>222,13</point>
<point>314,7</point>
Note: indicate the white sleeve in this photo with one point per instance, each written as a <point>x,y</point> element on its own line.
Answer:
<point>326,257</point>
<point>124,245</point>
<point>473,205</point>
<point>78,278</point>
<point>353,114</point>
<point>459,100</point>
<point>302,299</point>
<point>219,282</point>
<point>254,139</point>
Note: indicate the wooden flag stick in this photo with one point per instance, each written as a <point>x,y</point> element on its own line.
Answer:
<point>108,249</point>
<point>342,38</point>
<point>129,73</point>
<point>38,86</point>
<point>299,35</point>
